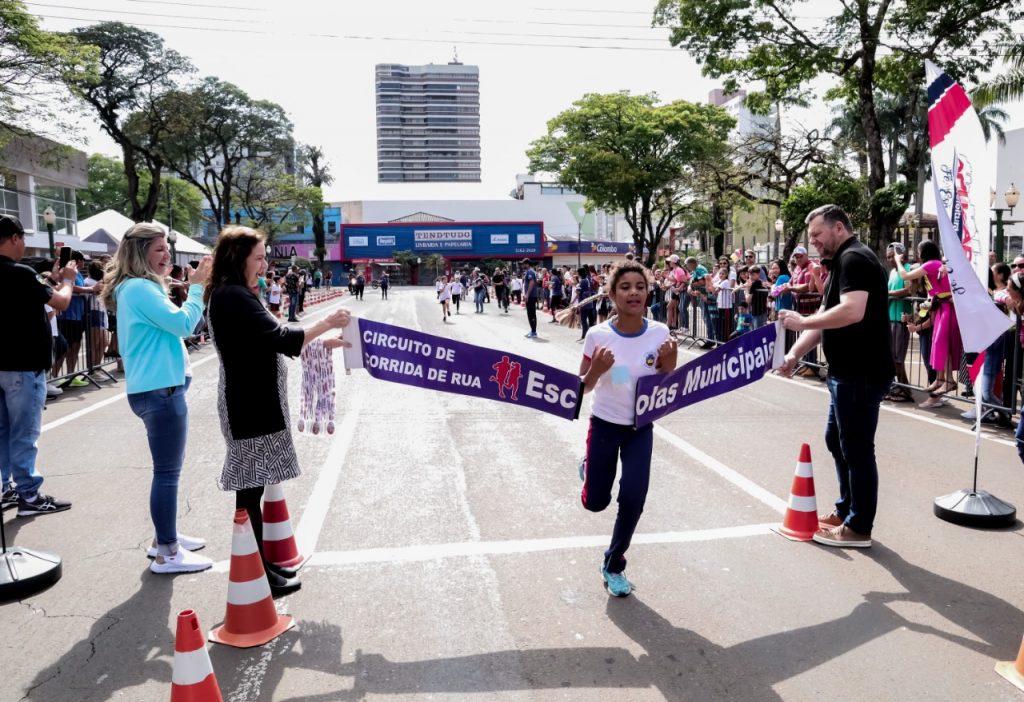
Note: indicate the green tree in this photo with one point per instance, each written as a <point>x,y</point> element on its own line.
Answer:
<point>1008,86</point>
<point>108,190</point>
<point>408,260</point>
<point>220,136</point>
<point>629,154</point>
<point>135,70</point>
<point>33,65</point>
<point>316,173</point>
<point>865,46</point>
<point>825,185</point>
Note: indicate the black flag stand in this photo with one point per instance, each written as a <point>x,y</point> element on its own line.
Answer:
<point>25,571</point>
<point>973,507</point>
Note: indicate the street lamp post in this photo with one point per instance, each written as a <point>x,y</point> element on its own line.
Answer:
<point>579,235</point>
<point>780,227</point>
<point>172,238</point>
<point>49,216</point>
<point>1012,197</point>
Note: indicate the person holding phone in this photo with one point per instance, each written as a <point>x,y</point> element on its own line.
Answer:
<point>251,344</point>
<point>157,376</point>
<point>24,362</point>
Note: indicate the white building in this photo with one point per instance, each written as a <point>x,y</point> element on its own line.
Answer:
<point>1010,171</point>
<point>428,123</point>
<point>560,209</point>
<point>36,174</point>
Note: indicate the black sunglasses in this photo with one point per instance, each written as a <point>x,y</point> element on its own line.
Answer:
<point>1018,265</point>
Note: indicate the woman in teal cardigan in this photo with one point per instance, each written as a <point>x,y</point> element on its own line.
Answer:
<point>157,375</point>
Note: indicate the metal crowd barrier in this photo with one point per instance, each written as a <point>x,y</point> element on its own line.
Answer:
<point>81,346</point>
<point>698,316</point>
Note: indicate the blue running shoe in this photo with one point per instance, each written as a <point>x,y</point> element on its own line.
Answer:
<point>616,583</point>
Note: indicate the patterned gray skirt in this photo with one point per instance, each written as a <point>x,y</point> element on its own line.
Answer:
<point>261,460</point>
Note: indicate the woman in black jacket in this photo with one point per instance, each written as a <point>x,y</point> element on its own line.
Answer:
<point>250,343</point>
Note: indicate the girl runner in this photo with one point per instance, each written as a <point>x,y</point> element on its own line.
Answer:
<point>615,354</point>
<point>444,294</point>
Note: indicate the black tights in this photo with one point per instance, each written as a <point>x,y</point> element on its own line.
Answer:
<point>249,500</point>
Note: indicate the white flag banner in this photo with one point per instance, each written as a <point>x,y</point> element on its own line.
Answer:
<point>960,175</point>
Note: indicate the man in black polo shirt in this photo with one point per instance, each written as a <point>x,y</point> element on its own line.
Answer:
<point>24,363</point>
<point>853,327</point>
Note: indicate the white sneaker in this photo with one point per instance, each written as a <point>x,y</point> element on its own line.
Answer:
<point>189,543</point>
<point>53,391</point>
<point>181,562</point>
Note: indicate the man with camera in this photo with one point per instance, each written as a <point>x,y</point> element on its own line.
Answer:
<point>24,362</point>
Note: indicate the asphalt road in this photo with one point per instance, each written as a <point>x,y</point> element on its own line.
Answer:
<point>453,560</point>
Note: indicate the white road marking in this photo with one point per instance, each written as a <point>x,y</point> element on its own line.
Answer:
<point>307,534</point>
<point>466,549</point>
<point>103,403</point>
<point>742,482</point>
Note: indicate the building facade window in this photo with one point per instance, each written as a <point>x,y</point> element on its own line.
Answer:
<point>62,200</point>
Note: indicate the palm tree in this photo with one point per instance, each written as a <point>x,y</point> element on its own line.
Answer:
<point>1007,87</point>
<point>992,118</point>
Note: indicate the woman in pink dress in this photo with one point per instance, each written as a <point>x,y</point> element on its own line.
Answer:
<point>947,347</point>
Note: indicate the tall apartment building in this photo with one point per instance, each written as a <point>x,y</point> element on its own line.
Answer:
<point>428,123</point>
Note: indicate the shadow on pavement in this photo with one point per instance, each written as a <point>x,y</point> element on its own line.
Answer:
<point>683,665</point>
<point>129,645</point>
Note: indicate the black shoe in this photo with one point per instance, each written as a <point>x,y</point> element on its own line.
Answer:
<point>43,504</point>
<point>10,498</point>
<point>283,571</point>
<point>282,586</point>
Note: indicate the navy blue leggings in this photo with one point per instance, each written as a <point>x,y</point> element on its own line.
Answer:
<point>606,444</point>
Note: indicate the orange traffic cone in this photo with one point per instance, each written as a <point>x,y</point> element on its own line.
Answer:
<point>192,679</point>
<point>278,539</point>
<point>801,520</point>
<point>1013,670</point>
<point>251,618</point>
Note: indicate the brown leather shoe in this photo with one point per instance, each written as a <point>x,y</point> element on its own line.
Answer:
<point>830,520</point>
<point>842,537</point>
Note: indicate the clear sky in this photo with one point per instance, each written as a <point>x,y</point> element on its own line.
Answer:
<point>317,58</point>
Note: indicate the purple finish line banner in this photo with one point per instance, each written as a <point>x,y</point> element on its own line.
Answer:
<point>410,357</point>
<point>724,369</point>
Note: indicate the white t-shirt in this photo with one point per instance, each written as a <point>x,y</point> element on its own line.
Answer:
<point>517,284</point>
<point>97,301</point>
<point>635,357</point>
<point>724,293</point>
<point>456,287</point>
<point>444,291</point>
<point>275,294</point>
<point>53,321</point>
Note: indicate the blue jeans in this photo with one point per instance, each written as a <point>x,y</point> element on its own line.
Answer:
<point>478,299</point>
<point>850,437</point>
<point>993,364</point>
<point>293,306</point>
<point>22,395</point>
<point>759,320</point>
<point>165,414</point>
<point>1019,436</point>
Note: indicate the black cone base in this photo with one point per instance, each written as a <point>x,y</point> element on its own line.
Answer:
<point>975,508</point>
<point>24,572</point>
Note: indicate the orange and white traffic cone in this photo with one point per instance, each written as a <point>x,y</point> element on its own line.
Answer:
<point>192,679</point>
<point>801,519</point>
<point>1013,670</point>
<point>251,618</point>
<point>278,539</point>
